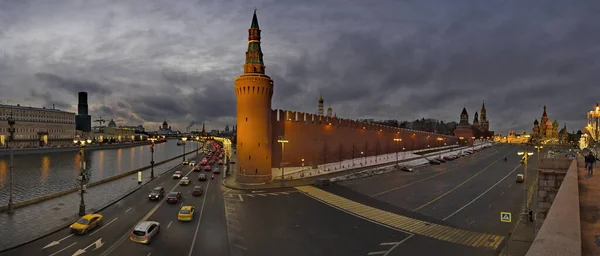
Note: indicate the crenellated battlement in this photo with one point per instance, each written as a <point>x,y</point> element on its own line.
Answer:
<point>280,116</point>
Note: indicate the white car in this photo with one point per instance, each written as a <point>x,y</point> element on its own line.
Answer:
<point>177,175</point>
<point>192,163</point>
<point>184,181</point>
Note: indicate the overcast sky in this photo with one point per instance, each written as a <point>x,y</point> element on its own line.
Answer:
<point>147,61</point>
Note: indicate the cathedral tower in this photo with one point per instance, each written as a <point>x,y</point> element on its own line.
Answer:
<point>254,91</point>
<point>485,124</point>
<point>321,101</point>
<point>464,117</point>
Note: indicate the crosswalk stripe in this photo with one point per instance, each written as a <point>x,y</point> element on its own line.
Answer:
<point>424,228</point>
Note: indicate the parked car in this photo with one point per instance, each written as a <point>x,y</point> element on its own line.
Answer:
<point>406,169</point>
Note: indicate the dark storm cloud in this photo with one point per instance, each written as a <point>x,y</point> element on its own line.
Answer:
<point>71,85</point>
<point>145,61</point>
<point>45,99</point>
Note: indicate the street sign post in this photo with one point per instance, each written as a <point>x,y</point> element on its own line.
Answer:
<point>505,217</point>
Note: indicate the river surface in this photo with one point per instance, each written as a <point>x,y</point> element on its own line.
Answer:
<point>42,174</point>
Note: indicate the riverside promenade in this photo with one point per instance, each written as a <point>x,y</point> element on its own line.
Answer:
<point>46,150</point>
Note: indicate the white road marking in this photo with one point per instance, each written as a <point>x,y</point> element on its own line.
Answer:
<point>145,218</point>
<point>484,192</point>
<point>262,194</point>
<point>490,206</point>
<point>181,205</point>
<point>377,253</point>
<point>234,220</point>
<point>241,199</point>
<point>63,249</point>
<point>273,194</point>
<point>258,191</point>
<point>128,210</point>
<point>97,244</point>
<point>399,243</point>
<point>502,193</point>
<point>168,226</point>
<point>53,243</point>
<point>510,185</point>
<point>471,223</point>
<point>199,221</point>
<point>149,254</point>
<point>285,193</point>
<point>188,191</point>
<point>251,195</point>
<point>103,226</point>
<point>390,243</point>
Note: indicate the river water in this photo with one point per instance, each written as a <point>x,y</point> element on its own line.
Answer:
<point>41,174</point>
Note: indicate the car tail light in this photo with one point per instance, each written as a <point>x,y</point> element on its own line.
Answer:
<point>131,234</point>
<point>146,237</point>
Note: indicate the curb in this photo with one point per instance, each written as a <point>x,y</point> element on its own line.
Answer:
<point>96,211</point>
<point>75,189</point>
<point>312,179</point>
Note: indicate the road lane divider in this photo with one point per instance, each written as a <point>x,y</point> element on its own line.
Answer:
<point>103,226</point>
<point>403,223</point>
<point>484,192</point>
<point>459,185</point>
<point>145,218</point>
<point>199,220</point>
<point>433,176</point>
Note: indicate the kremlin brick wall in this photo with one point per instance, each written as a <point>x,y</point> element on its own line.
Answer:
<point>318,139</point>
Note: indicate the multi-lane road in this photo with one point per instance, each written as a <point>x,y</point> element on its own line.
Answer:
<point>462,197</point>
<point>204,235</point>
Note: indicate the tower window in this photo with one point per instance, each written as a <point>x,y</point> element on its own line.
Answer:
<point>246,119</point>
<point>259,144</point>
<point>249,157</point>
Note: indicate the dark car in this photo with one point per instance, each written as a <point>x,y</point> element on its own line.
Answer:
<point>197,191</point>
<point>202,177</point>
<point>174,197</point>
<point>406,169</point>
<point>197,169</point>
<point>157,193</point>
<point>207,168</point>
<point>433,161</point>
<point>217,171</point>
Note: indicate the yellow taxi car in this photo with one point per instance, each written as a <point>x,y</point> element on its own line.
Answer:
<point>186,213</point>
<point>87,223</point>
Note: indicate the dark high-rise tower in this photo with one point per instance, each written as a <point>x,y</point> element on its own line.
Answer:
<point>83,121</point>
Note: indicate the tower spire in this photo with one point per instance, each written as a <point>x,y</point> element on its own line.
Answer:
<point>254,56</point>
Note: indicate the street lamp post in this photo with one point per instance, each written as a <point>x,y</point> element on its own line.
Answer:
<point>83,177</point>
<point>152,159</point>
<point>282,140</point>
<point>197,142</point>
<point>184,139</point>
<point>397,140</point>
<point>11,136</point>
<point>526,156</point>
<point>440,139</point>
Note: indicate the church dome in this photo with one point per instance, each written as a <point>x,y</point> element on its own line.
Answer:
<point>112,123</point>
<point>536,122</point>
<point>555,124</point>
<point>548,123</point>
<point>165,123</point>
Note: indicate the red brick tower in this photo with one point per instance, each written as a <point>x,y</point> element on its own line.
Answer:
<point>253,90</point>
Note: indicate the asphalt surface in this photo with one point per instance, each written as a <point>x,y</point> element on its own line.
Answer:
<point>468,193</point>
<point>460,193</point>
<point>120,218</point>
<point>295,224</point>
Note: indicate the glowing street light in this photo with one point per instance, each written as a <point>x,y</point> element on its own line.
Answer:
<point>282,140</point>
<point>397,140</point>
<point>184,139</point>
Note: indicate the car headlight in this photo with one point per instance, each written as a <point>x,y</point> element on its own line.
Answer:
<point>149,195</point>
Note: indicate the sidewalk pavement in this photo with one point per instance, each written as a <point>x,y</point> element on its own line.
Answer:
<point>34,221</point>
<point>305,171</point>
<point>589,208</point>
<point>229,182</point>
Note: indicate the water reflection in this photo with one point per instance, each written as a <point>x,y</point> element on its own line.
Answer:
<point>3,173</point>
<point>100,168</point>
<point>45,169</point>
<point>42,174</point>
